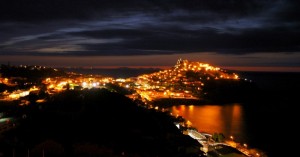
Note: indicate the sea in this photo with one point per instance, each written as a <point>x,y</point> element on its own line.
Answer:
<point>267,123</point>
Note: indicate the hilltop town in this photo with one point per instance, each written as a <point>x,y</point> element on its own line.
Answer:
<point>186,80</point>
<point>46,94</point>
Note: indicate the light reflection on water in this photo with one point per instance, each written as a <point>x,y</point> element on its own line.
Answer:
<point>227,119</point>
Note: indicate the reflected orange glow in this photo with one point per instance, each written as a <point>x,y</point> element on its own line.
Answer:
<point>191,107</point>
<point>226,119</point>
<point>189,123</point>
<point>236,119</point>
<point>182,108</point>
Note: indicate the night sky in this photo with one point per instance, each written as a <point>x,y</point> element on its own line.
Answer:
<point>237,34</point>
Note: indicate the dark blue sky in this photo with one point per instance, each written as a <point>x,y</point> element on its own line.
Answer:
<point>226,33</point>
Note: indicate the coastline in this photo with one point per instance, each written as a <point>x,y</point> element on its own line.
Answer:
<point>169,102</point>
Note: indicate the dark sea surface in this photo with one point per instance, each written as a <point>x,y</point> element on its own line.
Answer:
<point>268,122</point>
<point>272,119</point>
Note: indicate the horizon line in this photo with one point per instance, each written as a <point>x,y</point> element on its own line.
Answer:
<point>164,67</point>
<point>236,68</point>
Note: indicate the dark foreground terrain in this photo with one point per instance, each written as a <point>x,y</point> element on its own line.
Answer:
<point>95,122</point>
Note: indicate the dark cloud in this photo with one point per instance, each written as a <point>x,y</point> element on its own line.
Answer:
<point>24,10</point>
<point>175,40</point>
<point>144,27</point>
<point>288,12</point>
<point>115,33</point>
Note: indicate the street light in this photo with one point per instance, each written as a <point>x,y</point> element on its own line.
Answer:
<point>231,137</point>
<point>233,143</point>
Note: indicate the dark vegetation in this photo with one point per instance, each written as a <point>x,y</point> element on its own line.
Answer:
<point>30,72</point>
<point>96,122</point>
<point>116,88</point>
<point>214,90</point>
<point>4,87</point>
<point>223,90</point>
<point>23,77</point>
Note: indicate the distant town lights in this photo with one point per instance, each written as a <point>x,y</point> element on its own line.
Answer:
<point>84,84</point>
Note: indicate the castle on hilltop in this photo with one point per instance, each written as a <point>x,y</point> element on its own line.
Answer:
<point>185,64</point>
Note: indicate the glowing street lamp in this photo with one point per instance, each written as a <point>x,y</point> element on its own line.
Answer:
<point>231,137</point>
<point>233,143</point>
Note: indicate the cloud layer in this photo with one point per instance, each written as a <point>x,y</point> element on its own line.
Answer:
<point>147,27</point>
